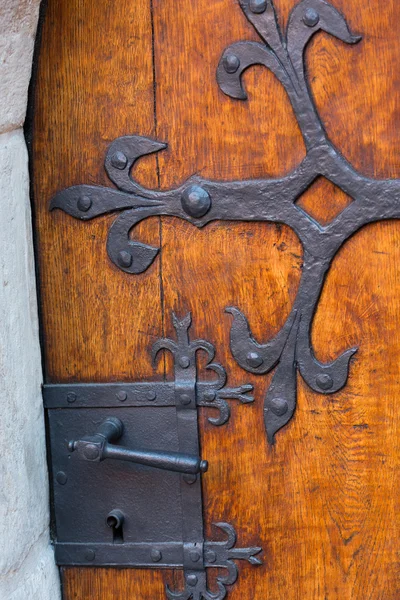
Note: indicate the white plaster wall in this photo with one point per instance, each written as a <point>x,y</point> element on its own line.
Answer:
<point>27,568</point>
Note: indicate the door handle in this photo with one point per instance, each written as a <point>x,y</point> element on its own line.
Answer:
<point>98,447</point>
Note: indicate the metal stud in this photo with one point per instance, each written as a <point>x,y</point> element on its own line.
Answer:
<point>254,360</point>
<point>119,160</point>
<point>155,555</point>
<point>192,579</point>
<point>84,203</point>
<point>324,381</point>
<point>90,554</point>
<point>122,396</point>
<point>209,396</point>
<point>61,478</point>
<point>196,202</point>
<point>278,406</point>
<point>311,17</point>
<point>125,259</point>
<point>211,557</point>
<point>184,362</point>
<point>194,556</point>
<point>185,399</point>
<point>258,6</point>
<point>231,63</point>
<point>151,395</point>
<point>71,397</point>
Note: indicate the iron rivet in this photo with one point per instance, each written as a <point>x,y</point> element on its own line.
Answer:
<point>184,362</point>
<point>190,479</point>
<point>185,399</point>
<point>258,6</point>
<point>61,478</point>
<point>196,202</point>
<point>125,259</point>
<point>192,580</point>
<point>231,63</point>
<point>119,160</point>
<point>91,452</point>
<point>71,446</point>
<point>311,17</point>
<point>194,556</point>
<point>324,381</point>
<point>211,557</point>
<point>209,396</point>
<point>151,395</point>
<point>71,397</point>
<point>122,396</point>
<point>254,359</point>
<point>278,406</point>
<point>90,554</point>
<point>84,203</point>
<point>156,555</point>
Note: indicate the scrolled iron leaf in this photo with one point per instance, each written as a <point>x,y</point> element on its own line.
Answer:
<point>221,374</point>
<point>324,378</point>
<point>121,156</point>
<point>128,255</point>
<point>247,352</point>
<point>280,400</point>
<point>265,23</point>
<point>300,30</point>
<point>87,202</point>
<point>248,54</point>
<point>207,347</point>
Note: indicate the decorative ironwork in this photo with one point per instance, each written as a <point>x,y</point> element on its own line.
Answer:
<point>134,426</point>
<point>201,201</point>
<point>217,554</point>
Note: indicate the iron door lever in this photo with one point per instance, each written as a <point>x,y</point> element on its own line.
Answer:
<point>98,447</point>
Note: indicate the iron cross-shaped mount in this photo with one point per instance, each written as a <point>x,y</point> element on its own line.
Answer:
<point>201,201</point>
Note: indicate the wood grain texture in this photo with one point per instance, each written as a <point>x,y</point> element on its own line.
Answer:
<point>95,70</point>
<point>324,501</point>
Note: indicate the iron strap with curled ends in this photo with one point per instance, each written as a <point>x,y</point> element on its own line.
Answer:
<point>201,201</point>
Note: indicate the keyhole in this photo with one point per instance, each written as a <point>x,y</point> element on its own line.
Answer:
<point>115,520</point>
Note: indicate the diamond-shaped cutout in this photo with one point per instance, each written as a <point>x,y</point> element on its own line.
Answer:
<point>323,201</point>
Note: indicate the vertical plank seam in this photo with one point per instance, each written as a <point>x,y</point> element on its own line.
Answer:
<point>158,178</point>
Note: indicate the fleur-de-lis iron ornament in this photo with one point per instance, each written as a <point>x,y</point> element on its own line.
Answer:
<point>201,201</point>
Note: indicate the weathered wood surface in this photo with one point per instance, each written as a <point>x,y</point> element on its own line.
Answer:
<point>324,501</point>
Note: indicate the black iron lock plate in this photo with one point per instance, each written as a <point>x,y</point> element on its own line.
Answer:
<point>127,470</point>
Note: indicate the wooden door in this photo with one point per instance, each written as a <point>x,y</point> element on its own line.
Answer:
<point>323,502</point>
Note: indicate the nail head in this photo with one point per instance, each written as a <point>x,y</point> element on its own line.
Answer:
<point>258,6</point>
<point>311,17</point>
<point>156,555</point>
<point>61,478</point>
<point>185,399</point>
<point>231,63</point>
<point>119,160</point>
<point>84,203</point>
<point>122,396</point>
<point>279,406</point>
<point>192,579</point>
<point>90,554</point>
<point>71,397</point>
<point>324,381</point>
<point>209,396</point>
<point>254,360</point>
<point>125,259</point>
<point>196,202</point>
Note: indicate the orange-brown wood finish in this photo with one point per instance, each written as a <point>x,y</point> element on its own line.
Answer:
<point>324,502</point>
